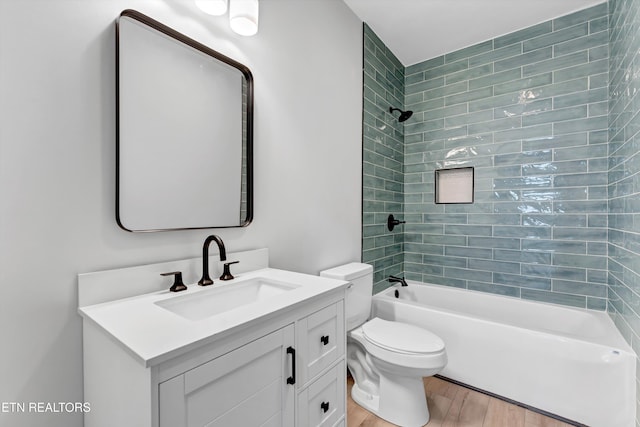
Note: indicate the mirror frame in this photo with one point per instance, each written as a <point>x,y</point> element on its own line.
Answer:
<point>247,140</point>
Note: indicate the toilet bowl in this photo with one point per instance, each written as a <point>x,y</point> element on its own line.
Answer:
<point>387,359</point>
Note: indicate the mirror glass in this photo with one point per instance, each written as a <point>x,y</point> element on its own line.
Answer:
<point>184,131</point>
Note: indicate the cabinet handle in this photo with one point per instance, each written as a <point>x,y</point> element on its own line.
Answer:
<point>292,352</point>
<point>324,406</point>
<point>324,339</point>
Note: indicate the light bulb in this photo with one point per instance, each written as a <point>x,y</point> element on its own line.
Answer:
<point>243,17</point>
<point>212,7</point>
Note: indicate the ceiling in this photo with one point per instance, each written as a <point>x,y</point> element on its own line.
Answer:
<point>417,30</point>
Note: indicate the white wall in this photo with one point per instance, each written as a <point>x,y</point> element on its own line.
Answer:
<point>57,126</point>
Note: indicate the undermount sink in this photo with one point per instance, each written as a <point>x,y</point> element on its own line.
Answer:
<point>210,302</point>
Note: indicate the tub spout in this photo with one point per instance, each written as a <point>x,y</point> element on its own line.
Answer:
<point>401,280</point>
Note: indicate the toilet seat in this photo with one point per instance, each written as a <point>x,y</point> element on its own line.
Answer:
<point>401,337</point>
<point>419,352</point>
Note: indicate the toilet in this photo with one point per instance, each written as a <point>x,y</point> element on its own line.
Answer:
<point>387,359</point>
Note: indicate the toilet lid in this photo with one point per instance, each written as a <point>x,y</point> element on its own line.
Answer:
<point>401,337</point>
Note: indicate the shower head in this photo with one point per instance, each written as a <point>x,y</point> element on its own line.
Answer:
<point>404,115</point>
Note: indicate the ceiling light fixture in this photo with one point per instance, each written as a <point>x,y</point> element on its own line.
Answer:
<point>212,7</point>
<point>243,17</point>
<point>243,14</point>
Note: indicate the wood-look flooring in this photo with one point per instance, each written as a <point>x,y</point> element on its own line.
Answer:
<point>451,405</point>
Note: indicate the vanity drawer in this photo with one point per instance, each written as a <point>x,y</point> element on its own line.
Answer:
<point>321,338</point>
<point>323,402</point>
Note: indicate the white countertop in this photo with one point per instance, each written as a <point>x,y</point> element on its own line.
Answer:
<point>154,334</point>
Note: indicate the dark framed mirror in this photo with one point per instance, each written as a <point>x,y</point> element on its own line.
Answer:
<point>184,156</point>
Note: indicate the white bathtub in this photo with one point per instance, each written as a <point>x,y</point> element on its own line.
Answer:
<point>569,362</point>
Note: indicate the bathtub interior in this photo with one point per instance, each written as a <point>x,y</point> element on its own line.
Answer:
<point>590,325</point>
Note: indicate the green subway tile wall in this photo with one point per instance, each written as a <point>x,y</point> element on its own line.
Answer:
<point>383,157</point>
<point>548,116</point>
<point>624,176</point>
<point>529,112</point>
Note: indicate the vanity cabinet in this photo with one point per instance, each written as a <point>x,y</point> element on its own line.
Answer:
<point>245,387</point>
<point>282,370</point>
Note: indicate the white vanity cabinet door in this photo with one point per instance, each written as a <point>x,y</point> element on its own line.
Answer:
<point>245,387</point>
<point>323,402</point>
<point>321,338</point>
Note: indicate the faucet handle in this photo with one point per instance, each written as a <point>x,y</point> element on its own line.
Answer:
<point>177,281</point>
<point>226,273</point>
<point>392,222</point>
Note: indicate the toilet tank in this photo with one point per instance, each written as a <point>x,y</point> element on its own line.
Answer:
<point>359,293</point>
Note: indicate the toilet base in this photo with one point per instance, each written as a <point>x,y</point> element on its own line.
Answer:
<point>402,402</point>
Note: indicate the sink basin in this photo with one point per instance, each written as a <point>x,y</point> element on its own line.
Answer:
<point>209,302</point>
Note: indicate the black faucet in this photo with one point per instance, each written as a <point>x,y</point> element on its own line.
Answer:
<point>206,280</point>
<point>393,279</point>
